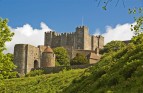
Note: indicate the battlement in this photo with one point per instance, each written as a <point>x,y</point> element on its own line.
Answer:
<point>79,27</point>
<point>99,36</point>
<point>80,39</point>
<point>53,33</point>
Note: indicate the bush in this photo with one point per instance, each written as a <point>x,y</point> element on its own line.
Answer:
<point>112,46</point>
<point>35,73</point>
<point>62,57</point>
<point>79,59</point>
<point>112,81</point>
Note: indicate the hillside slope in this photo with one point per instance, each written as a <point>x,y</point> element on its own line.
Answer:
<point>117,72</point>
<point>50,83</point>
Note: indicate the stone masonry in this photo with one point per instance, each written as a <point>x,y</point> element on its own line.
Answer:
<point>80,39</point>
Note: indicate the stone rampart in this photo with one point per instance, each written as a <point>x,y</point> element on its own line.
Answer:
<point>48,70</point>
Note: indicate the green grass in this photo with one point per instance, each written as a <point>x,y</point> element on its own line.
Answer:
<point>49,83</point>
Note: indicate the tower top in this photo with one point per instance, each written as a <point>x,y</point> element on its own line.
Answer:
<point>48,50</point>
<point>81,27</point>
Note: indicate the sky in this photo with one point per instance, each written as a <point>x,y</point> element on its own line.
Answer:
<point>29,19</point>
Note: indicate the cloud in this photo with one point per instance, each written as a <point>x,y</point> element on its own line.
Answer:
<point>97,32</point>
<point>27,35</point>
<point>120,32</point>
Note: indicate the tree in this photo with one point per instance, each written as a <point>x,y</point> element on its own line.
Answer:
<point>62,57</point>
<point>79,59</point>
<point>6,60</point>
<point>113,46</point>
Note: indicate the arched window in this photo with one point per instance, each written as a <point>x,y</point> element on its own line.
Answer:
<point>36,64</point>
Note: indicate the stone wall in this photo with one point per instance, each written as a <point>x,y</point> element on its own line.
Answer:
<point>32,57</point>
<point>94,42</point>
<point>100,41</point>
<point>48,70</point>
<point>84,52</point>
<point>25,56</point>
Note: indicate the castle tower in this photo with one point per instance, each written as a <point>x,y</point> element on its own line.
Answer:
<point>48,38</point>
<point>83,39</point>
<point>100,42</point>
<point>20,58</point>
<point>48,58</point>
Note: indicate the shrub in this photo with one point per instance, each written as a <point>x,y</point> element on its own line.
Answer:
<point>35,73</point>
<point>62,57</point>
<point>112,81</point>
<point>79,59</point>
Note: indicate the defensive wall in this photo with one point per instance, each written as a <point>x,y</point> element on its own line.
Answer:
<point>48,70</point>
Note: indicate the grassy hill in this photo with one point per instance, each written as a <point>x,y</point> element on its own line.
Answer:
<point>50,83</point>
<point>118,71</point>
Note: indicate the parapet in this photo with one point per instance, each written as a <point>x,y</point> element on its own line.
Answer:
<point>98,36</point>
<point>48,32</point>
<point>17,46</point>
<point>81,27</point>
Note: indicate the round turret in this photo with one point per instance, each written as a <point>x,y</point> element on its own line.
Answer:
<point>48,58</point>
<point>48,50</point>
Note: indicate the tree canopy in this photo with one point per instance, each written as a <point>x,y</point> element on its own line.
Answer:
<point>113,46</point>
<point>5,34</point>
<point>62,57</point>
<point>6,60</point>
<point>79,59</point>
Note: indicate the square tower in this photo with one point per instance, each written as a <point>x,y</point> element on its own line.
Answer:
<point>82,38</point>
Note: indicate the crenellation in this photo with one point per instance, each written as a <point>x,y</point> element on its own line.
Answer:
<point>80,39</point>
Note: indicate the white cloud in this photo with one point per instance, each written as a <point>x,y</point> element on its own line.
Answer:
<point>27,35</point>
<point>97,32</point>
<point>120,32</point>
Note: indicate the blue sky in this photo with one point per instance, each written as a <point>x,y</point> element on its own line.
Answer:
<point>29,19</point>
<point>65,15</point>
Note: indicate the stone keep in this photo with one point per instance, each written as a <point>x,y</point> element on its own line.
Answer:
<point>80,39</point>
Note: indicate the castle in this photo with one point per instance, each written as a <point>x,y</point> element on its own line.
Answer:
<point>27,56</point>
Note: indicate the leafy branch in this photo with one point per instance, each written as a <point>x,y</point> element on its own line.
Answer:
<point>106,3</point>
<point>138,27</point>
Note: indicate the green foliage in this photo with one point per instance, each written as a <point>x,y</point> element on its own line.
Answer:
<point>61,56</point>
<point>7,66</point>
<point>34,73</point>
<point>137,39</point>
<point>138,27</point>
<point>112,46</point>
<point>5,34</point>
<point>50,83</point>
<point>6,60</point>
<point>79,59</point>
